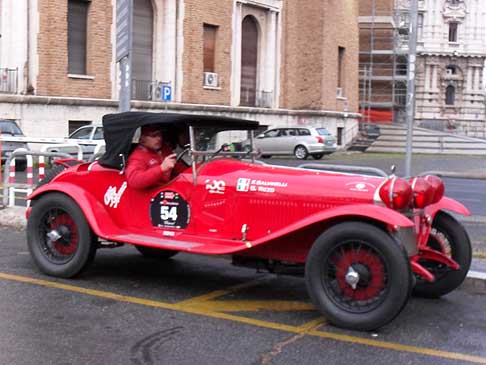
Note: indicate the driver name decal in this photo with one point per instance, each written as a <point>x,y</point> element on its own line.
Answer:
<point>262,186</point>
<point>112,197</point>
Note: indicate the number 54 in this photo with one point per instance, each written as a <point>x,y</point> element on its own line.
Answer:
<point>168,213</point>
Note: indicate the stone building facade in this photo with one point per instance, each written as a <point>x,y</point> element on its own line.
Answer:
<point>451,54</point>
<point>280,62</point>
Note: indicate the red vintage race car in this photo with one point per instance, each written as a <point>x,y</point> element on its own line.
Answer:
<point>363,242</point>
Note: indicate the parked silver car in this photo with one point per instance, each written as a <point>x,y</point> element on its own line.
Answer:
<point>9,128</point>
<point>298,141</point>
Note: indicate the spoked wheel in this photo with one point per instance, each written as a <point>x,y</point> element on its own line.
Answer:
<point>358,276</point>
<point>156,253</point>
<point>449,237</point>
<point>59,238</point>
<point>300,152</point>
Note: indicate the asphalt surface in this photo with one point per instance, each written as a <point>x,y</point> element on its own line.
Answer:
<point>126,309</point>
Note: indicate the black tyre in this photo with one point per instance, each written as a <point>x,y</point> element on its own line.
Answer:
<point>449,237</point>
<point>155,252</point>
<point>59,238</point>
<point>300,152</point>
<point>358,276</point>
<point>317,156</point>
<point>266,156</point>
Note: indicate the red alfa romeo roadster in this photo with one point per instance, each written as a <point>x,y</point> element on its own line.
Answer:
<point>365,242</point>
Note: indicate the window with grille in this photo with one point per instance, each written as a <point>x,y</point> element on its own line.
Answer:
<point>77,35</point>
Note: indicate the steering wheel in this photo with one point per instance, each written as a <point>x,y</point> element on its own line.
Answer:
<point>181,154</point>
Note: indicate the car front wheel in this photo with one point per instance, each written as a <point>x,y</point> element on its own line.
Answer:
<point>59,238</point>
<point>358,276</point>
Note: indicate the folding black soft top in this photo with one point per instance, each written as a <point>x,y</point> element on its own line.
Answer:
<point>119,129</point>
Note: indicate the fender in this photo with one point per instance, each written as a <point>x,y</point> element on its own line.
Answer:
<point>447,204</point>
<point>375,212</point>
<point>94,212</point>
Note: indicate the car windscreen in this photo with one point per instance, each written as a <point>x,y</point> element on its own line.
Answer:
<point>212,139</point>
<point>84,133</point>
<point>323,132</point>
<point>9,127</point>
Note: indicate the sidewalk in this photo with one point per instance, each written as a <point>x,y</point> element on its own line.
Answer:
<point>14,217</point>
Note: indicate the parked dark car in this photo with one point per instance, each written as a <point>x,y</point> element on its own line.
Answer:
<point>10,128</point>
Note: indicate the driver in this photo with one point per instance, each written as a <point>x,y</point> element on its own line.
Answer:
<point>152,162</point>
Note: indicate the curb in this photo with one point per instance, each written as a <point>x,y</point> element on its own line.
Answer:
<point>14,217</point>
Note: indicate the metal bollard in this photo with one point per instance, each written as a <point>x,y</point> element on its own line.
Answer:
<point>13,189</point>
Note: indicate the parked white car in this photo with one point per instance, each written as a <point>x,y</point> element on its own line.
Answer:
<point>298,141</point>
<point>89,137</point>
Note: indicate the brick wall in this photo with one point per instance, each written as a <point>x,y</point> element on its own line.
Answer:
<point>218,13</point>
<point>312,32</point>
<point>53,51</point>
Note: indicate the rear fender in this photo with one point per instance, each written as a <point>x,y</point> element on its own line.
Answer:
<point>446,204</point>
<point>94,212</point>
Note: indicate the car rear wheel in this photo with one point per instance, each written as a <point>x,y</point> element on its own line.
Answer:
<point>317,156</point>
<point>156,253</point>
<point>449,237</point>
<point>59,238</point>
<point>358,276</point>
<point>301,152</point>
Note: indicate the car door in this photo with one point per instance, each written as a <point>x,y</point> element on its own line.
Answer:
<point>268,141</point>
<point>289,141</point>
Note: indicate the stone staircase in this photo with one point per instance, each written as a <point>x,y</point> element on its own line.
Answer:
<point>393,139</point>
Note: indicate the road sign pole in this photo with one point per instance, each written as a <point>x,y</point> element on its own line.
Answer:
<point>124,30</point>
<point>412,51</point>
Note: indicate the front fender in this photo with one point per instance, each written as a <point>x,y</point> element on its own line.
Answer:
<point>447,204</point>
<point>94,211</point>
<point>363,211</point>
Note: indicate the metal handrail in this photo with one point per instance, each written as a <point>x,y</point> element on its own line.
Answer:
<point>23,152</point>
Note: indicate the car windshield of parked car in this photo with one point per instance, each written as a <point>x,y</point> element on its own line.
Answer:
<point>84,133</point>
<point>9,127</point>
<point>323,132</point>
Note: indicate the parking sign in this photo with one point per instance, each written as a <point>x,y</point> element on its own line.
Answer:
<point>166,93</point>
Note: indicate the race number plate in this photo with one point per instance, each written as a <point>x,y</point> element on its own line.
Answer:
<point>169,210</point>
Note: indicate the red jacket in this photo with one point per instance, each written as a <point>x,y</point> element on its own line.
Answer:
<point>143,167</point>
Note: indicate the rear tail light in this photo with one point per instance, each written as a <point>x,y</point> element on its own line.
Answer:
<point>320,139</point>
<point>438,187</point>
<point>396,193</point>
<point>423,193</point>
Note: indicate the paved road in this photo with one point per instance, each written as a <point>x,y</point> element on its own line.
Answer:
<point>199,310</point>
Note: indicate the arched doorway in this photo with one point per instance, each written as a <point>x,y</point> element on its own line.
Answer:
<point>143,30</point>
<point>249,58</point>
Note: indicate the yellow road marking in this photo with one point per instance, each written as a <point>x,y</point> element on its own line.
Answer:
<point>219,293</point>
<point>307,328</point>
<point>251,305</point>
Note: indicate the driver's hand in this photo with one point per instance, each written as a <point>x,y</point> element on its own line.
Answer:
<point>168,163</point>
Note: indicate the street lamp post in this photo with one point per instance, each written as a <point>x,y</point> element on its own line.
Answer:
<point>410,107</point>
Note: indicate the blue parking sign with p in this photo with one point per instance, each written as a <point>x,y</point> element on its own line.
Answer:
<point>166,93</point>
